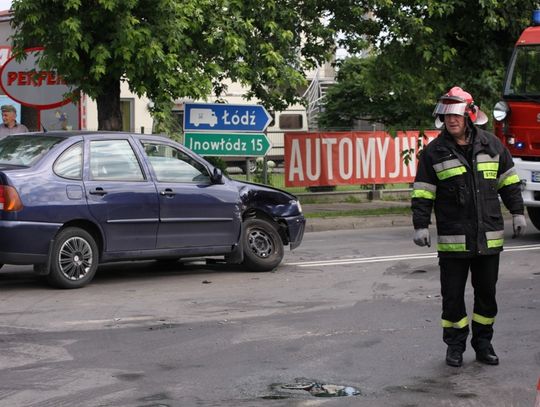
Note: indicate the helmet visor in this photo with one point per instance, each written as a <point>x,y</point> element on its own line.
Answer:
<point>450,108</point>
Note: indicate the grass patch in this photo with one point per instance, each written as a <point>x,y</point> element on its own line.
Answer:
<point>360,212</point>
<point>353,199</point>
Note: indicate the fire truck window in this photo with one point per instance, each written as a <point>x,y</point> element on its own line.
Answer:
<point>526,78</point>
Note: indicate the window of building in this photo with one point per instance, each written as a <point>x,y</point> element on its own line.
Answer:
<point>126,106</point>
<point>290,121</point>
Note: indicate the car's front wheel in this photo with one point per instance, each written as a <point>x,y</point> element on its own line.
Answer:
<point>74,259</point>
<point>263,248</point>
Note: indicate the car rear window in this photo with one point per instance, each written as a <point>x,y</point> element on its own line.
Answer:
<point>25,150</point>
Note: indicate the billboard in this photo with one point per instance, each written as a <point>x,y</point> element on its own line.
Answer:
<point>345,158</point>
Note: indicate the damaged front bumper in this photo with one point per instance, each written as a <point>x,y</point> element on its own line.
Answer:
<point>296,225</point>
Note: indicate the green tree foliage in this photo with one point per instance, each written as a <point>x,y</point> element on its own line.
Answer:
<point>168,49</point>
<point>418,50</point>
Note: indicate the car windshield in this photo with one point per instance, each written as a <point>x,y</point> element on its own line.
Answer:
<point>25,150</point>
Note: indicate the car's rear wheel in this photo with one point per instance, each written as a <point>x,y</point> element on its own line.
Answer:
<point>74,259</point>
<point>263,248</point>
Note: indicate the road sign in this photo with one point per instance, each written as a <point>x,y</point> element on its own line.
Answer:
<point>228,144</point>
<point>224,117</point>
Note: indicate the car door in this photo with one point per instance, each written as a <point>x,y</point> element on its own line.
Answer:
<point>194,212</point>
<point>120,194</point>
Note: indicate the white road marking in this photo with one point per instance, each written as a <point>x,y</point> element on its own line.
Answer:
<point>378,259</point>
<point>120,320</point>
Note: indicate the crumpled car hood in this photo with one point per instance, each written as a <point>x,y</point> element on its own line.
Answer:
<point>271,200</point>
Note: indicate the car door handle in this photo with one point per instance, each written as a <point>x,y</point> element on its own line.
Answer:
<point>167,192</point>
<point>98,191</point>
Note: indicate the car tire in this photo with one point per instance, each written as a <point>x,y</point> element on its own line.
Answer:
<point>263,248</point>
<point>534,215</point>
<point>74,259</point>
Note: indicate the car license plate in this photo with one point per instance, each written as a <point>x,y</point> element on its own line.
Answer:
<point>535,176</point>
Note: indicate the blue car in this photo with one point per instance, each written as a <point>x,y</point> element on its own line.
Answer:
<point>70,201</point>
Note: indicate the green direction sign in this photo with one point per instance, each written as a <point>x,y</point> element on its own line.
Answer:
<point>228,144</point>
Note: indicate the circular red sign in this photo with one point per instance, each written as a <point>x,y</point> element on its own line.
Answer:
<point>24,82</point>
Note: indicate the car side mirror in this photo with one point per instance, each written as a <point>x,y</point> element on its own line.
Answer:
<point>217,176</point>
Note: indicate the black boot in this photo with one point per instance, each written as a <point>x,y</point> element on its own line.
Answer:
<point>454,356</point>
<point>456,339</point>
<point>487,356</point>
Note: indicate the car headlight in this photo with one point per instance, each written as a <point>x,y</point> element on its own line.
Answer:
<point>299,205</point>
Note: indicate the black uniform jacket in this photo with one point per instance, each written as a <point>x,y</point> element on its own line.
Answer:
<point>465,193</point>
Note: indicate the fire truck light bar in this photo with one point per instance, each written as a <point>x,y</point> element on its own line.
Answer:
<point>536,17</point>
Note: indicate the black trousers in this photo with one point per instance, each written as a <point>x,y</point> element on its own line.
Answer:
<point>484,274</point>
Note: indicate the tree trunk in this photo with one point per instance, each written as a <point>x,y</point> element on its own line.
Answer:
<point>108,106</point>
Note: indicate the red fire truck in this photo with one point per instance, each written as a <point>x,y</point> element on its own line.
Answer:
<point>517,116</point>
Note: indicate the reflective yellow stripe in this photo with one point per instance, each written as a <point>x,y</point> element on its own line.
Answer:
<point>488,166</point>
<point>419,193</point>
<point>447,164</point>
<point>458,325</point>
<point>512,179</point>
<point>483,320</point>
<point>451,247</point>
<point>495,243</point>
<point>495,238</point>
<point>451,243</point>
<point>451,172</point>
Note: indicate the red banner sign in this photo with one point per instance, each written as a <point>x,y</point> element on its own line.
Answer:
<point>343,158</point>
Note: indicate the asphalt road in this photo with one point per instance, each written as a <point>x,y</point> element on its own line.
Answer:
<point>357,308</point>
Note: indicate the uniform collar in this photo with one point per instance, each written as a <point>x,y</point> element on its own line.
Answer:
<point>478,138</point>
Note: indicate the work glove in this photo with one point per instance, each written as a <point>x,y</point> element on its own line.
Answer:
<point>421,237</point>
<point>519,225</point>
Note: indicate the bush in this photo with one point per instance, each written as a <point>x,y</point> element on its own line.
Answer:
<point>258,175</point>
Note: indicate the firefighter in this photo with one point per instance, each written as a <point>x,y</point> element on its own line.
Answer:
<point>461,174</point>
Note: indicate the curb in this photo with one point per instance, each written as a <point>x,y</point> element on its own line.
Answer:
<point>355,222</point>
<point>367,221</point>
